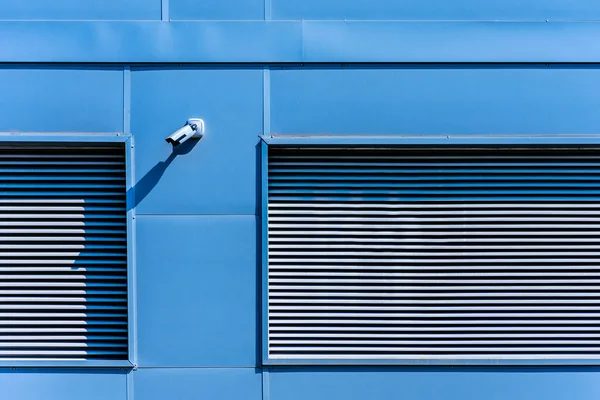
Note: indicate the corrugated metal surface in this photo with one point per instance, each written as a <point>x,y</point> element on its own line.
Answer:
<point>434,253</point>
<point>63,270</point>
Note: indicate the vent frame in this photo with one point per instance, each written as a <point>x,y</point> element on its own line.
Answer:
<point>79,140</point>
<point>397,141</point>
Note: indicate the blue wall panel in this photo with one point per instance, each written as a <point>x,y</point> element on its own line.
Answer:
<point>38,384</point>
<point>434,383</point>
<point>91,99</point>
<point>216,9</point>
<point>79,9</point>
<point>218,176</point>
<point>520,99</point>
<point>197,294</point>
<point>491,10</point>
<point>198,383</point>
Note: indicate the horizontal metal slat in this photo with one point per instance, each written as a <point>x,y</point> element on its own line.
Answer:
<point>60,179</point>
<point>453,357</point>
<point>58,284</point>
<point>63,239</point>
<point>288,287</point>
<point>404,227</point>
<point>61,202</point>
<point>396,187</point>
<point>424,292</point>
<point>428,330</point>
<point>343,308</point>
<point>60,216</point>
<point>37,353</point>
<point>451,276</point>
<point>17,333</point>
<point>291,232</point>
<point>428,191</point>
<point>448,174</point>
<point>288,337</point>
<point>458,247</point>
<point>355,322</point>
<point>432,260</point>
<point>515,207</point>
<point>450,199</point>
<point>432,315</point>
<point>327,165</point>
<point>453,349</point>
<point>471,242</point>
<point>65,269</point>
<point>53,337</point>
<point>421,343</point>
<point>299,212</point>
<point>297,304</point>
<point>61,307</point>
<point>512,219</point>
<point>87,323</point>
<point>59,277</point>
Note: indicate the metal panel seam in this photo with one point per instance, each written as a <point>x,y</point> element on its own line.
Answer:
<point>267,5</point>
<point>164,10</point>
<point>266,389</point>
<point>266,101</point>
<point>129,382</point>
<point>127,99</point>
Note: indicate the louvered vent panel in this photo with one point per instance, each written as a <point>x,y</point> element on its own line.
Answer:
<point>63,269</point>
<point>433,253</point>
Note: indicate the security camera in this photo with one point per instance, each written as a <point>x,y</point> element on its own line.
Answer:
<point>194,128</point>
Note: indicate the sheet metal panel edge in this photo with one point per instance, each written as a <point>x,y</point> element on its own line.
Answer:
<point>297,41</point>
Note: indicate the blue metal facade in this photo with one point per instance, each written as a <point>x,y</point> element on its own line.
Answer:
<point>256,67</point>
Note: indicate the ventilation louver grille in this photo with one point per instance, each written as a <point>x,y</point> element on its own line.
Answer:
<point>63,272</point>
<point>433,253</point>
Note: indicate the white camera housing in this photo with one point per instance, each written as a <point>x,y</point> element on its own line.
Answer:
<point>194,128</point>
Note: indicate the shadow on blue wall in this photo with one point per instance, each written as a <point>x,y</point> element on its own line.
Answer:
<point>144,186</point>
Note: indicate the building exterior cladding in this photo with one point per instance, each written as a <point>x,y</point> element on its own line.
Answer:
<point>256,67</point>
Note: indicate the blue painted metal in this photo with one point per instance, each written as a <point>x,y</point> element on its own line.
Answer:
<point>165,11</point>
<point>435,99</point>
<point>229,144</point>
<point>387,41</point>
<point>430,10</point>
<point>77,10</point>
<point>443,140</point>
<point>150,42</point>
<point>354,364</point>
<point>64,137</point>
<point>266,381</point>
<point>197,302</point>
<point>64,383</point>
<point>198,383</point>
<point>216,10</point>
<point>429,383</point>
<point>31,104</point>
<point>298,42</point>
